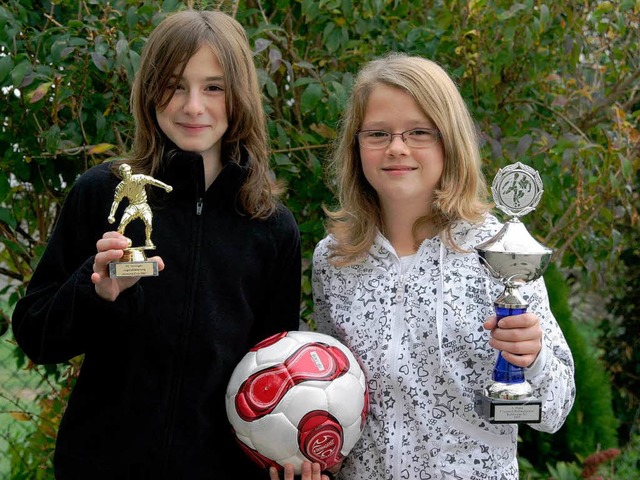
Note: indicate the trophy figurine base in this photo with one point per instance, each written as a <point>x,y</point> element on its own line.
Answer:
<point>133,263</point>
<point>500,410</point>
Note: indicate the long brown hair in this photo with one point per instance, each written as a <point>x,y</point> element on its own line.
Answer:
<point>169,47</point>
<point>461,193</point>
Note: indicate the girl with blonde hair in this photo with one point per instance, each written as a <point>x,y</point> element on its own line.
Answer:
<point>397,280</point>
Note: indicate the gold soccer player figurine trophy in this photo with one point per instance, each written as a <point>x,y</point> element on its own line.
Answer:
<point>134,262</point>
<point>513,258</point>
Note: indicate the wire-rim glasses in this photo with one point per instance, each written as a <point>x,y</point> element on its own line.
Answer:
<point>414,138</point>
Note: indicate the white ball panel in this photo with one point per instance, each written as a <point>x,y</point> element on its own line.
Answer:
<point>276,353</point>
<point>300,400</point>
<point>295,460</point>
<point>243,370</point>
<point>246,441</point>
<point>350,435</point>
<point>239,425</point>
<point>274,436</point>
<point>345,398</point>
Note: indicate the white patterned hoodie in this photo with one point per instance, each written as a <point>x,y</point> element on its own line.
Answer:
<point>421,343</point>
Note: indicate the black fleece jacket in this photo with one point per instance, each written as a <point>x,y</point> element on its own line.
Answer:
<point>149,402</point>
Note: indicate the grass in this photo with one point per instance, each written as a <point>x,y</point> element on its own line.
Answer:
<point>17,389</point>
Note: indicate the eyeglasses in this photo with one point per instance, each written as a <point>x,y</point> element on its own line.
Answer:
<point>414,138</point>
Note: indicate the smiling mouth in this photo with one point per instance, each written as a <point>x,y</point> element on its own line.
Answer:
<point>189,125</point>
<point>399,169</point>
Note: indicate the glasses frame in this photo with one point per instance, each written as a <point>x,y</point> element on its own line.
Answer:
<point>437,133</point>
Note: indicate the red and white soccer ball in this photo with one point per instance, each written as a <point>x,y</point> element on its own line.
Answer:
<point>297,396</point>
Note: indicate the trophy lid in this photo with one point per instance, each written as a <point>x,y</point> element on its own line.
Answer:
<point>512,255</point>
<point>513,238</point>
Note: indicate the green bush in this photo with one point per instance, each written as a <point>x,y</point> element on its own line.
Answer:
<point>591,424</point>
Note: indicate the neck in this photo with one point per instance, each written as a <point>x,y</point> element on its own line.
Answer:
<point>212,167</point>
<point>398,229</point>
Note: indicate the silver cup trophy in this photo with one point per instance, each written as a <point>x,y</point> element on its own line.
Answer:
<point>513,258</point>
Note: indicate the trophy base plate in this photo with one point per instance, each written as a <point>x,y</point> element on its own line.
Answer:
<point>133,263</point>
<point>495,410</point>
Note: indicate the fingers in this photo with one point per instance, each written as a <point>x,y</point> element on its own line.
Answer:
<point>273,473</point>
<point>335,469</point>
<point>159,261</point>
<point>518,337</point>
<point>490,323</point>
<point>308,471</point>
<point>312,471</point>
<point>109,248</point>
<point>112,241</point>
<point>288,473</point>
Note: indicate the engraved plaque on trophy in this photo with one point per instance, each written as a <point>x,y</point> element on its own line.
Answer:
<point>513,258</point>
<point>134,262</point>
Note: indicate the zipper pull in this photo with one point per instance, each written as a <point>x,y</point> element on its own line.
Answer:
<point>199,205</point>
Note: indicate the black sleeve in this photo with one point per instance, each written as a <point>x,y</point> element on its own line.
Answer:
<point>284,286</point>
<point>60,315</point>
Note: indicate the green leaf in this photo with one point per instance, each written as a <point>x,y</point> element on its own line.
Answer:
<point>52,138</point>
<point>135,62</point>
<point>122,47</point>
<point>282,159</point>
<point>627,168</point>
<point>5,187</point>
<point>132,17</point>
<point>20,71</point>
<point>272,89</point>
<point>304,81</point>
<point>74,24</point>
<point>100,61</point>
<point>311,97</point>
<point>6,65</point>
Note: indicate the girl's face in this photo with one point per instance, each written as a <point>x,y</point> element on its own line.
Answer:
<point>196,118</point>
<point>402,176</point>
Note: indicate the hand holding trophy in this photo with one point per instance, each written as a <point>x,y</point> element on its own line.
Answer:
<point>513,258</point>
<point>134,262</point>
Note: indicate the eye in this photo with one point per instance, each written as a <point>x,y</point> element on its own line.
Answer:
<point>376,134</point>
<point>418,132</point>
<point>214,88</point>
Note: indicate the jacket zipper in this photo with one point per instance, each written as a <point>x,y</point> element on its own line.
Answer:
<point>184,337</point>
<point>396,351</point>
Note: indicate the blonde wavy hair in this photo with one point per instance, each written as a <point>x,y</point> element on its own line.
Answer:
<point>169,47</point>
<point>461,193</point>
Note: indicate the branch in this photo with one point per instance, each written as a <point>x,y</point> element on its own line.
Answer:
<point>554,111</point>
<point>11,274</point>
<point>304,147</point>
<point>583,226</point>
<point>591,118</point>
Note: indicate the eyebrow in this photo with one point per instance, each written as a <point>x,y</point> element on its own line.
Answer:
<point>215,78</point>
<point>383,126</point>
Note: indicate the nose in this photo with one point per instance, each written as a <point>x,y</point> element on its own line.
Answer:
<point>396,145</point>
<point>193,104</point>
